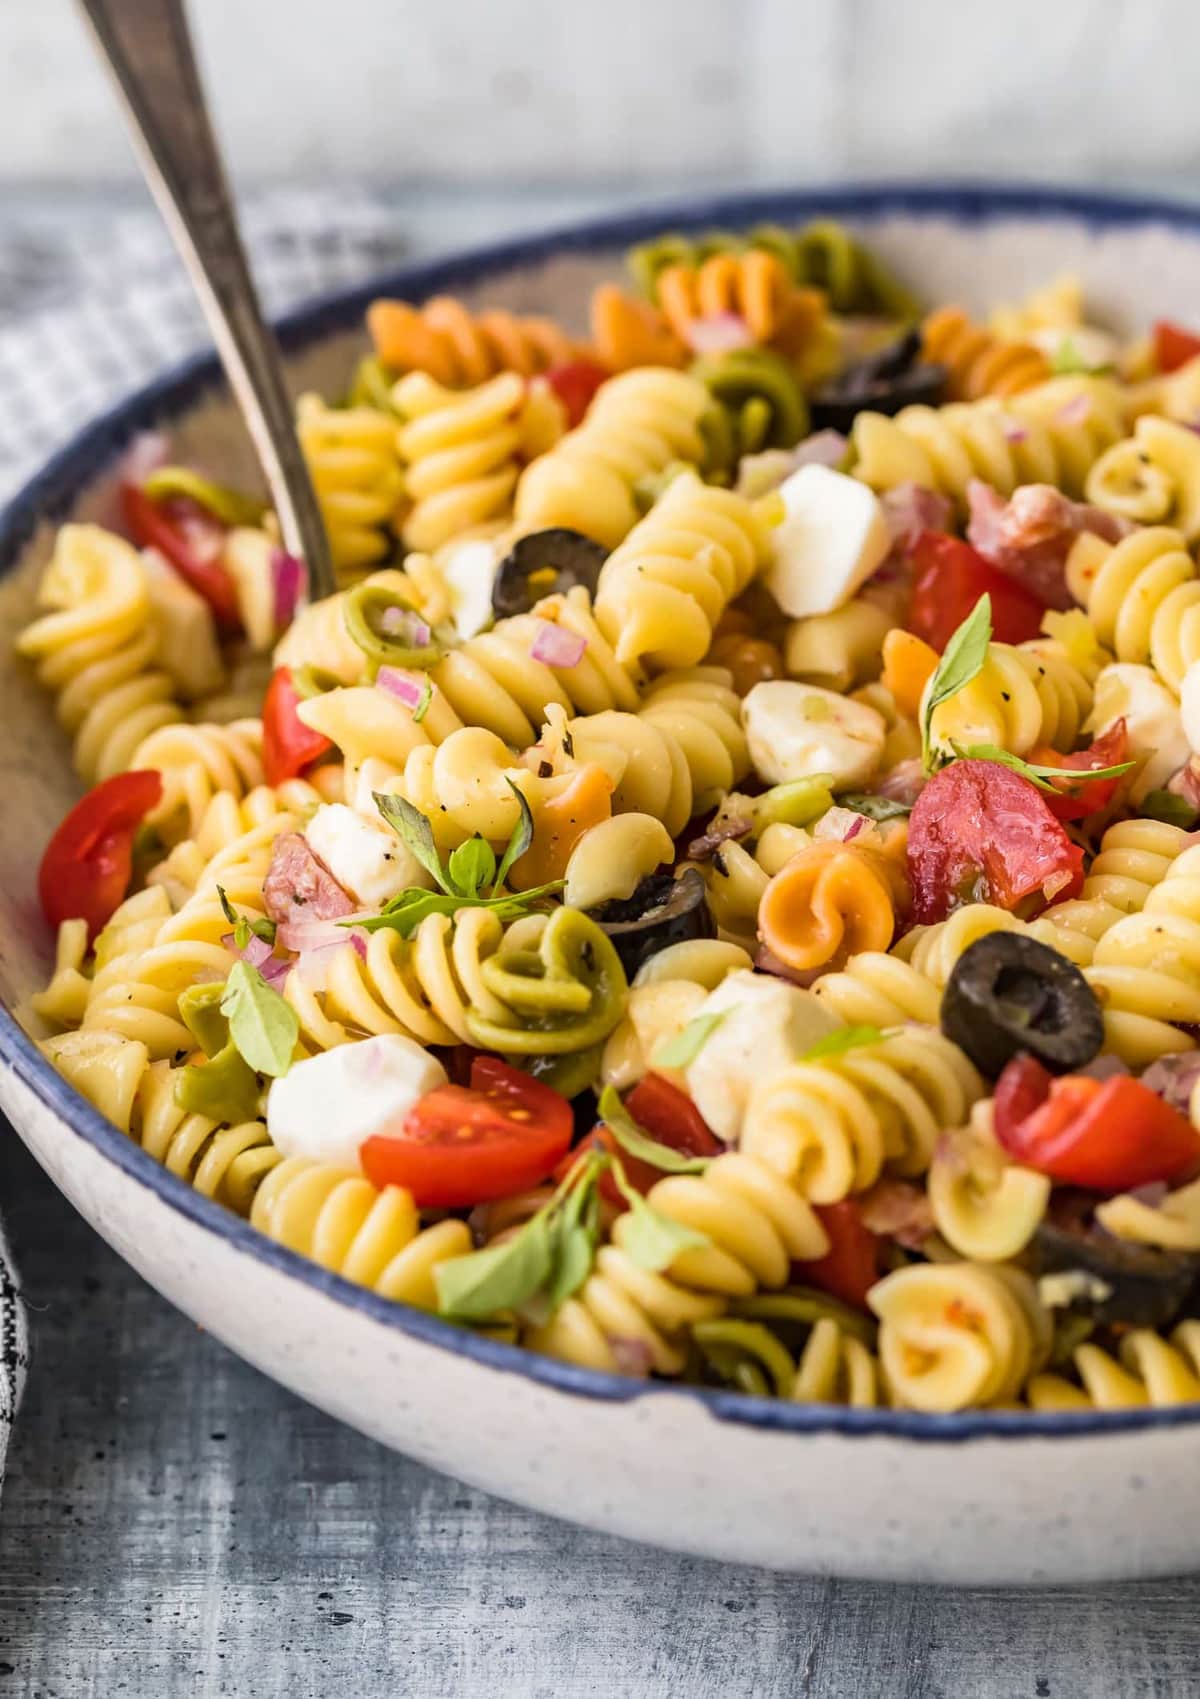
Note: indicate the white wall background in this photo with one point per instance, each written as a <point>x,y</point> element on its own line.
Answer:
<point>622,92</point>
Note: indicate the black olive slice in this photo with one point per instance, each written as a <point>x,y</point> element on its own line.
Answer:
<point>663,910</point>
<point>1147,1286</point>
<point>883,382</point>
<point>543,563</point>
<point>1010,993</point>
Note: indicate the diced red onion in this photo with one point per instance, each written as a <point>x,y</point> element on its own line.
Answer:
<point>1151,1194</point>
<point>146,453</point>
<point>823,448</point>
<point>720,333</point>
<point>401,684</point>
<point>632,1356</point>
<point>305,935</point>
<point>1076,411</point>
<point>1013,430</point>
<point>1104,1068</point>
<point>204,535</point>
<point>359,941</point>
<point>258,953</point>
<point>314,966</point>
<point>555,646</point>
<point>839,825</point>
<point>289,578</point>
<point>402,622</point>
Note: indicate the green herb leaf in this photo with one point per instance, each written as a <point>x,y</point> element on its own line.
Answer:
<point>426,697</point>
<point>405,911</point>
<point>1171,809</point>
<point>836,1043</point>
<point>471,866</point>
<point>244,929</point>
<point>631,1138</point>
<point>874,807</point>
<point>577,1227</point>
<point>687,1044</point>
<point>962,660</point>
<point>261,1024</point>
<point>521,839</point>
<point>476,1286</point>
<point>1040,776</point>
<point>650,1239</point>
<point>411,825</point>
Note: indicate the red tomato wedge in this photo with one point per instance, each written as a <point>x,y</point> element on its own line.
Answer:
<point>949,576</point>
<point>665,1114</point>
<point>85,870</point>
<point>1108,1135</point>
<point>850,1267</point>
<point>980,833</point>
<point>289,746</point>
<point>463,1145</point>
<point>1075,799</point>
<point>190,539</point>
<point>575,383</point>
<point>1174,346</point>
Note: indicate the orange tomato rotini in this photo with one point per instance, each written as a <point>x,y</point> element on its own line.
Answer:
<point>460,348</point>
<point>627,332</point>
<point>753,285</point>
<point>830,901</point>
<point>908,664</point>
<point>977,362</point>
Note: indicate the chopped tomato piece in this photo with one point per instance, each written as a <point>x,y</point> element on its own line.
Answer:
<point>289,746</point>
<point>666,1115</point>
<point>850,1267</point>
<point>980,833</point>
<point>1077,798</point>
<point>1024,1085</point>
<point>1108,1135</point>
<point>190,538</point>
<point>463,1145</point>
<point>1174,346</point>
<point>575,383</point>
<point>949,577</point>
<point>85,870</point>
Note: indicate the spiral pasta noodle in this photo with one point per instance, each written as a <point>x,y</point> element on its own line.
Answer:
<point>831,1125</point>
<point>1146,1370</point>
<point>627,332</point>
<point>1023,696</point>
<point>351,454</point>
<point>198,763</point>
<point>1145,970</point>
<point>1153,477</point>
<point>978,363</point>
<point>458,348</point>
<point>827,903</point>
<point>1143,597</point>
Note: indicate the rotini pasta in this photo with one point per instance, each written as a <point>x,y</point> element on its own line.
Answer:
<point>977,363</point>
<point>458,348</point>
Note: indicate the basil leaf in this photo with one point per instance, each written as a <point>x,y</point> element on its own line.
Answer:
<point>405,911</point>
<point>874,807</point>
<point>227,908</point>
<point>962,660</point>
<point>1171,809</point>
<point>631,1138</point>
<point>521,839</point>
<point>650,1239</point>
<point>848,1038</point>
<point>422,707</point>
<point>261,1024</point>
<point>244,929</point>
<point>687,1044</point>
<point>471,866</point>
<point>411,825</point>
<point>578,1227</point>
<point>476,1286</point>
<point>1038,775</point>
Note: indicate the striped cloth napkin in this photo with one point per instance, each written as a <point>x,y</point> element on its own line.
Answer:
<point>88,313</point>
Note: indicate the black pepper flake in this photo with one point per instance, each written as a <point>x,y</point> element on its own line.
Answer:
<point>718,862</point>
<point>545,769</point>
<point>568,743</point>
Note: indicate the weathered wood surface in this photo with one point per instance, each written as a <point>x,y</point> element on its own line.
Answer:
<point>175,1525</point>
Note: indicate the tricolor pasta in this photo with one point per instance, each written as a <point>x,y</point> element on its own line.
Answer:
<point>715,895</point>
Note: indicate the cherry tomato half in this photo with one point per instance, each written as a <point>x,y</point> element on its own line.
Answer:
<point>1109,1135</point>
<point>85,870</point>
<point>289,746</point>
<point>172,528</point>
<point>463,1145</point>
<point>575,383</point>
<point>949,576</point>
<point>850,1267</point>
<point>665,1114</point>
<point>1075,799</point>
<point>981,833</point>
<point>1174,346</point>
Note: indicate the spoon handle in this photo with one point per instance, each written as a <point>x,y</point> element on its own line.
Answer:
<point>147,48</point>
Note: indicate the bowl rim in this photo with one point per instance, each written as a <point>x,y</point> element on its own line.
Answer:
<point>92,450</point>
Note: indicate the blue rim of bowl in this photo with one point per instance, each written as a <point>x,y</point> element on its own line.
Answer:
<point>92,451</point>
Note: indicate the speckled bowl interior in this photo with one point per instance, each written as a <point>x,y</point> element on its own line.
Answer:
<point>975,245</point>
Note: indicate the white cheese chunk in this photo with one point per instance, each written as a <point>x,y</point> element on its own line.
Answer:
<point>768,1024</point>
<point>831,539</point>
<point>796,731</point>
<point>369,861</point>
<point>327,1106</point>
<point>1152,718</point>
<point>468,571</point>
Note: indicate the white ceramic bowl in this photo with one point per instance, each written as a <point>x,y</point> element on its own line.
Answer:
<point>960,1499</point>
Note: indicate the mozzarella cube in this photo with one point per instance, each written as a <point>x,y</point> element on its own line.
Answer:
<point>327,1106</point>
<point>1152,718</point>
<point>766,1024</point>
<point>832,537</point>
<point>469,570</point>
<point>796,731</point>
<point>370,861</point>
<point>1189,705</point>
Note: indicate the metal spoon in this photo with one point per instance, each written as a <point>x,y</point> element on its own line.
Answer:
<point>147,48</point>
